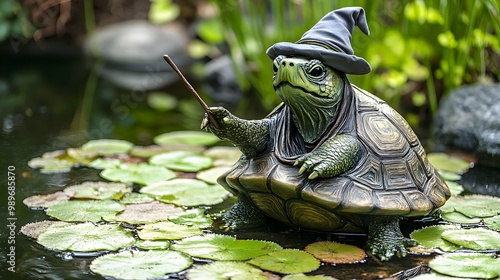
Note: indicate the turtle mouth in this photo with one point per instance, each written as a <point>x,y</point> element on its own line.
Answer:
<point>284,84</point>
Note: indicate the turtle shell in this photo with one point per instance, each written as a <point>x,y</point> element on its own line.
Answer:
<point>392,178</point>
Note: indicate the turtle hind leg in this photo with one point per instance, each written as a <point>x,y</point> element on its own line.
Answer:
<point>385,238</point>
<point>243,214</point>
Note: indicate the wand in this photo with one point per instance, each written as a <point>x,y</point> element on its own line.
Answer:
<point>192,90</point>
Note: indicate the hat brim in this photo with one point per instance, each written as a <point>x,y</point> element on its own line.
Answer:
<point>349,64</point>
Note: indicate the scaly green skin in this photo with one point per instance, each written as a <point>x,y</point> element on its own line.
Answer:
<point>385,238</point>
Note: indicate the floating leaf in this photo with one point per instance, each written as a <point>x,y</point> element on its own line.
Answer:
<point>186,192</point>
<point>45,200</point>
<point>226,270</point>
<point>430,237</point>
<point>302,276</point>
<point>98,190</point>
<point>474,238</point>
<point>137,173</point>
<point>167,230</point>
<point>493,222</point>
<point>163,11</point>
<point>210,175</point>
<point>459,218</point>
<point>287,261</point>
<point>150,212</point>
<point>137,265</point>
<point>224,156</point>
<point>467,265</point>
<point>86,237</point>
<point>434,276</point>
<point>192,217</point>
<point>442,161</point>
<point>107,147</point>
<point>136,198</point>
<point>223,247</point>
<point>152,244</point>
<point>33,230</point>
<point>51,165</point>
<point>449,176</point>
<point>103,163</point>
<point>87,210</point>
<point>337,253</point>
<point>481,206</point>
<point>187,137</point>
<point>80,154</point>
<point>161,101</point>
<point>149,151</point>
<point>185,161</point>
<point>455,188</point>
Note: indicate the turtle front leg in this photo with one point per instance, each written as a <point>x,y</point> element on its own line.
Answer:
<point>385,238</point>
<point>243,214</point>
<point>335,156</point>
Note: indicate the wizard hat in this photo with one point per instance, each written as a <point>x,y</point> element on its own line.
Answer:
<point>330,41</point>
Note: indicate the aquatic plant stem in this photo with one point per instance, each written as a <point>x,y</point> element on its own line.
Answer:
<point>192,90</point>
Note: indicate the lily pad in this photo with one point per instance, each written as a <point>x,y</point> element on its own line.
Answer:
<point>334,252</point>
<point>167,231</point>
<point>187,137</point>
<point>467,265</point>
<point>459,218</point>
<point>302,276</point>
<point>81,155</point>
<point>442,161</point>
<point>136,198</point>
<point>98,190</point>
<point>34,230</point>
<point>481,206</point>
<point>104,163</point>
<point>152,244</point>
<point>107,147</point>
<point>287,261</point>
<point>186,192</point>
<point>192,217</point>
<point>455,188</point>
<point>223,156</point>
<point>226,270</point>
<point>474,238</point>
<point>137,173</point>
<point>210,175</point>
<point>430,237</point>
<point>86,237</point>
<point>143,213</point>
<point>449,176</point>
<point>493,222</point>
<point>153,150</point>
<point>51,165</point>
<point>224,247</point>
<point>45,200</point>
<point>185,161</point>
<point>86,210</point>
<point>137,265</point>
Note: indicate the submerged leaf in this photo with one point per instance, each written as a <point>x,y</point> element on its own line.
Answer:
<point>226,270</point>
<point>287,261</point>
<point>223,247</point>
<point>167,230</point>
<point>45,200</point>
<point>107,147</point>
<point>98,190</point>
<point>86,237</point>
<point>137,265</point>
<point>442,161</point>
<point>430,237</point>
<point>185,161</point>
<point>141,173</point>
<point>186,138</point>
<point>474,238</point>
<point>467,265</point>
<point>86,210</point>
<point>143,213</point>
<point>333,252</point>
<point>192,217</point>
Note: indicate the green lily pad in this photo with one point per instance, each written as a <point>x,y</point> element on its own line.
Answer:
<point>104,163</point>
<point>223,156</point>
<point>474,238</point>
<point>434,276</point>
<point>152,244</point>
<point>287,261</point>
<point>137,173</point>
<point>192,217</point>
<point>149,151</point>
<point>442,161</point>
<point>45,200</point>
<point>449,176</point>
<point>86,237</point>
<point>481,206</point>
<point>226,270</point>
<point>143,213</point>
<point>459,218</point>
<point>430,237</point>
<point>185,161</point>
<point>137,265</point>
<point>455,188</point>
<point>467,265</point>
<point>186,192</point>
<point>86,210</point>
<point>136,198</point>
<point>161,101</point>
<point>98,190</point>
<point>107,147</point>
<point>34,230</point>
<point>80,154</point>
<point>302,276</point>
<point>224,248</point>
<point>493,222</point>
<point>210,175</point>
<point>167,230</point>
<point>51,165</point>
<point>334,252</point>
<point>187,137</point>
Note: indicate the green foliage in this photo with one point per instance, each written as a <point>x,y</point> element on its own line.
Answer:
<point>14,22</point>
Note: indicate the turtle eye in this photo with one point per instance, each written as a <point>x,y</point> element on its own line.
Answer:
<point>316,72</point>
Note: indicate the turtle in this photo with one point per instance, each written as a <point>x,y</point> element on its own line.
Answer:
<point>331,157</point>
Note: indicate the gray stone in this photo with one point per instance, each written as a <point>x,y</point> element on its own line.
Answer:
<point>469,120</point>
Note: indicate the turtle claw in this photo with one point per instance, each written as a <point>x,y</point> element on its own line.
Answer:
<point>313,175</point>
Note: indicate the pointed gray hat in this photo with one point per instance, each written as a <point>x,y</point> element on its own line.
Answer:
<point>330,41</point>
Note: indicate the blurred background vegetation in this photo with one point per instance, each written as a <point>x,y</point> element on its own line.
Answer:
<point>419,50</point>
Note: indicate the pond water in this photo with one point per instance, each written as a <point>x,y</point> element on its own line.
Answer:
<point>38,104</point>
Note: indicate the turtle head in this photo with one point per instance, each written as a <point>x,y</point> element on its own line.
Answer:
<point>312,90</point>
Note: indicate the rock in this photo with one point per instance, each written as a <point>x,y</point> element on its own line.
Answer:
<point>468,120</point>
<point>132,53</point>
<point>221,83</point>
